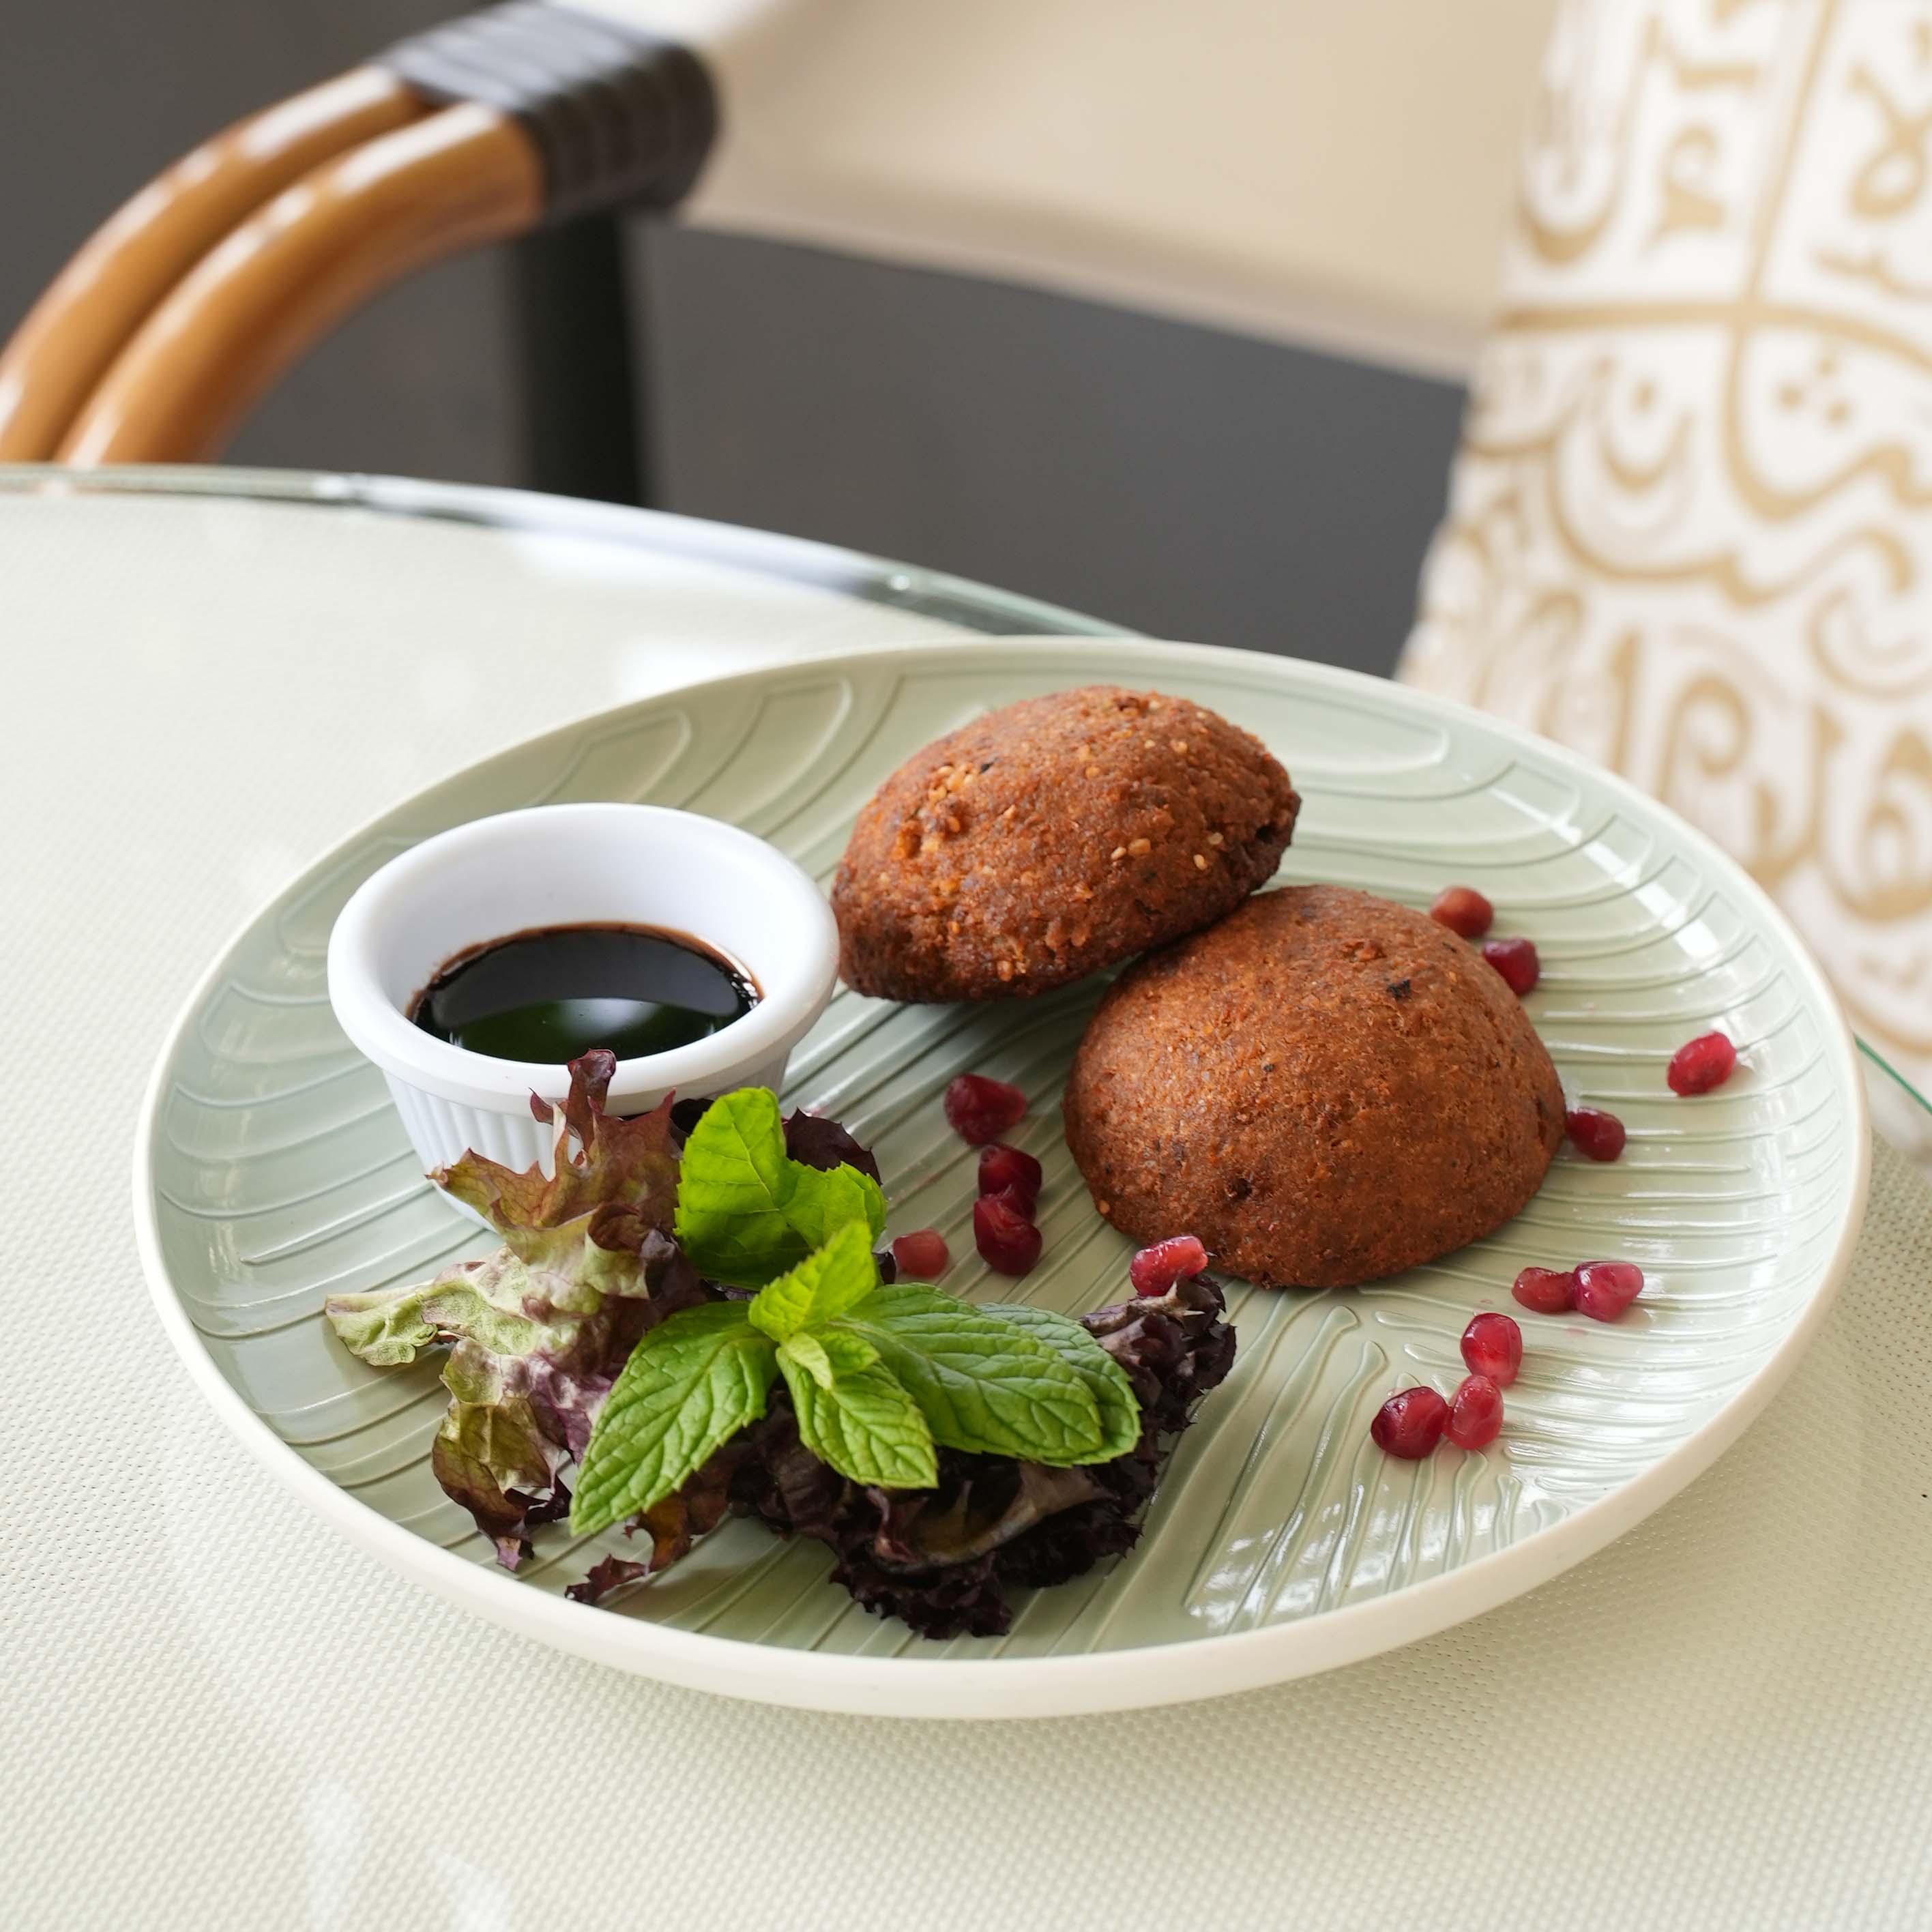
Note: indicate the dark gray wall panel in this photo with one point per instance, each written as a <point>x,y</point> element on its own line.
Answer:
<point>1187,482</point>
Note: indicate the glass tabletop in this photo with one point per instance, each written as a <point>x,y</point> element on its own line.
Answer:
<point>1900,1111</point>
<point>953,601</point>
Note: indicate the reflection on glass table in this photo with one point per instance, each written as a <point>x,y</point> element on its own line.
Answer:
<point>1900,1112</point>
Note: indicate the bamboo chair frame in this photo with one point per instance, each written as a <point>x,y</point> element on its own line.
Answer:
<point>197,295</point>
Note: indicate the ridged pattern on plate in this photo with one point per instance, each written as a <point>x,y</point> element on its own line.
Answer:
<point>283,1173</point>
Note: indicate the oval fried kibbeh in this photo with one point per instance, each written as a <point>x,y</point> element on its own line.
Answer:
<point>1325,1088</point>
<point>1052,839</point>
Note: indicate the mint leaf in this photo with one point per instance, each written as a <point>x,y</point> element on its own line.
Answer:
<point>1106,1381</point>
<point>732,1186</point>
<point>690,1385</point>
<point>823,1357</point>
<point>822,1200</point>
<point>806,1352</point>
<point>747,1212</point>
<point>848,1354</point>
<point>983,1385</point>
<point>842,1273</point>
<point>863,1424</point>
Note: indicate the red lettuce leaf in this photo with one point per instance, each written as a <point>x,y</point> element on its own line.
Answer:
<point>604,1164</point>
<point>813,1141</point>
<point>538,1331</point>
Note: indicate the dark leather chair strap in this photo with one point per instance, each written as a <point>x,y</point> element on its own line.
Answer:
<point>620,118</point>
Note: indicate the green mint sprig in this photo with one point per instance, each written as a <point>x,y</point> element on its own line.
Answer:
<point>675,1404</point>
<point>989,1386</point>
<point>746,1211</point>
<point>880,1378</point>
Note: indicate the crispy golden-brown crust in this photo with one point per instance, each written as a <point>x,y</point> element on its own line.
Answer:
<point>1048,840</point>
<point>1325,1088</point>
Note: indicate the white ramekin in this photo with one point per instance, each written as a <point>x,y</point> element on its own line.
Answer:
<point>560,864</point>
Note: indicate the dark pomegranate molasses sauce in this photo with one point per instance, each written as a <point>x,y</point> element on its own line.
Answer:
<point>545,996</point>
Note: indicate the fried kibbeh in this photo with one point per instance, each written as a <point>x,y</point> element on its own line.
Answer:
<point>1324,1087</point>
<point>1053,838</point>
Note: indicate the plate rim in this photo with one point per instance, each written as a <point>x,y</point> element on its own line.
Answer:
<point>1216,1665</point>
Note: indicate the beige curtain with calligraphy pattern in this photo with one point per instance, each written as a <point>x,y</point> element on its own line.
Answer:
<point>1690,531</point>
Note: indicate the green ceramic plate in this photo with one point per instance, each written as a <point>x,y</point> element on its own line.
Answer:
<point>273,1172</point>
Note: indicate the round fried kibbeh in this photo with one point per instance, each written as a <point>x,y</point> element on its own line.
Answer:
<point>1325,1088</point>
<point>1052,839</point>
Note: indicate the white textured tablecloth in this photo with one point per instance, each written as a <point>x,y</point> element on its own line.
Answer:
<point>217,1715</point>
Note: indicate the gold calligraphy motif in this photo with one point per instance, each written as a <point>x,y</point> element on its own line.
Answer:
<point>1684,182</point>
<point>1893,178</point>
<point>1567,138</point>
<point>1690,530</point>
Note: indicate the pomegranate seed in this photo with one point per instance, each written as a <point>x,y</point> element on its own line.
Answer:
<point>1701,1064</point>
<point>980,1110</point>
<point>1599,1135</point>
<point>1604,1289</point>
<point>1464,910</point>
<point>1008,1242</point>
<point>921,1255</point>
<point>1476,1415</point>
<point>1017,1198</point>
<point>1516,960</point>
<point>1005,1169</point>
<point>1410,1423</point>
<point>1545,1290</point>
<point>1155,1269</point>
<point>1492,1346</point>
